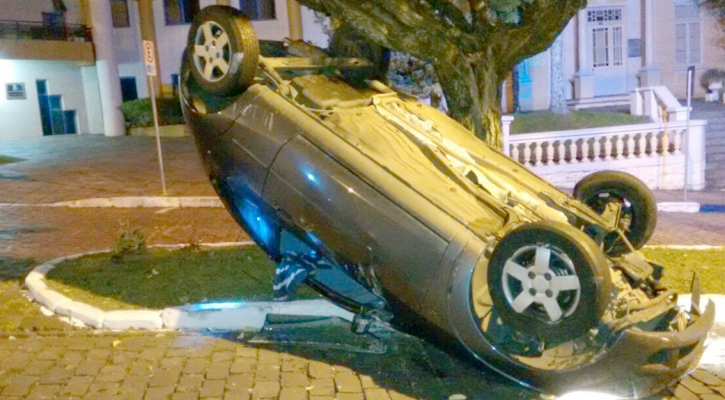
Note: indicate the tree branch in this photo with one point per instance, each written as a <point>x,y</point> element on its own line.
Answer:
<point>542,22</point>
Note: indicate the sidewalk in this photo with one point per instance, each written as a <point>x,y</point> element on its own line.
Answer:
<point>75,167</point>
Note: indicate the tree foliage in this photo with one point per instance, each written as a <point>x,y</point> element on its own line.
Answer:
<point>472,45</point>
<point>717,6</point>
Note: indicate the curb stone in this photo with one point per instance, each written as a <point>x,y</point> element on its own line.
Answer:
<point>225,315</point>
<point>685,247</point>
<point>205,316</point>
<point>678,207</point>
<point>134,202</point>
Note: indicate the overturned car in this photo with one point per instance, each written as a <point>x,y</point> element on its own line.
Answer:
<point>398,213</point>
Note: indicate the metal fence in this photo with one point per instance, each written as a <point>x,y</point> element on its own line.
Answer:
<point>26,30</point>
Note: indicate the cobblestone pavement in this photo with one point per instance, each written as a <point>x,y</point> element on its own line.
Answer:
<point>76,167</point>
<point>44,233</point>
<point>182,366</point>
<point>192,366</point>
<point>689,229</point>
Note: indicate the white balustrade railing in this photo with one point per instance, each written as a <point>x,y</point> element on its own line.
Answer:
<point>658,103</point>
<point>653,151</point>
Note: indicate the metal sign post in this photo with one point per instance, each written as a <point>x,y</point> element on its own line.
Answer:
<point>149,56</point>
<point>686,141</point>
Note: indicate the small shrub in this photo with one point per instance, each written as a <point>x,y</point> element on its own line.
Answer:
<point>137,113</point>
<point>130,242</point>
<point>712,76</point>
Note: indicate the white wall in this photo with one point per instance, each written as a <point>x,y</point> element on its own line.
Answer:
<point>92,93</point>
<point>21,118</point>
<point>634,31</point>
<point>312,31</point>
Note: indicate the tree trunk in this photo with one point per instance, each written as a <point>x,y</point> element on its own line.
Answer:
<point>558,81</point>
<point>473,93</point>
<point>459,86</point>
<point>489,82</point>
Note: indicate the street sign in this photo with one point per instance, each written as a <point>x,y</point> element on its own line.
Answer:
<point>149,57</point>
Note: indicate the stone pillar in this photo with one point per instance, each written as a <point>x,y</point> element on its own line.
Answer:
<point>294,16</point>
<point>649,75</point>
<point>109,83</point>
<point>85,13</point>
<point>584,77</point>
<point>148,32</point>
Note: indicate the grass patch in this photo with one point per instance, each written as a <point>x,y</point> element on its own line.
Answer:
<point>544,121</point>
<point>163,278</point>
<point>680,264</point>
<point>8,159</point>
<point>17,313</point>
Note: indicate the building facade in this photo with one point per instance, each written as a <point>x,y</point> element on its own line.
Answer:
<point>614,46</point>
<point>66,65</point>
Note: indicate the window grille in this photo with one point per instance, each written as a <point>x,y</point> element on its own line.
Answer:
<point>604,15</point>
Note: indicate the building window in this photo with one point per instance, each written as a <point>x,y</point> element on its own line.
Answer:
<point>600,39</point>
<point>688,35</point>
<point>258,10</point>
<point>119,13</point>
<point>180,11</point>
<point>128,89</point>
<point>604,15</point>
<point>175,83</point>
<point>607,33</point>
<point>617,48</point>
<point>607,46</point>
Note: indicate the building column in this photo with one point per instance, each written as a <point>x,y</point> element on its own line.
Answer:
<point>649,75</point>
<point>294,17</point>
<point>107,68</point>
<point>148,32</point>
<point>584,77</point>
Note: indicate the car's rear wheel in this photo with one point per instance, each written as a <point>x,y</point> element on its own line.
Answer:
<point>549,282</point>
<point>637,205</point>
<point>348,42</point>
<point>223,52</point>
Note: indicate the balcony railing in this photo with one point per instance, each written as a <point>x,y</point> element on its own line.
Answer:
<point>25,30</point>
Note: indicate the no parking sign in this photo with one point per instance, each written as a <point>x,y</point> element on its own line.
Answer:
<point>149,57</point>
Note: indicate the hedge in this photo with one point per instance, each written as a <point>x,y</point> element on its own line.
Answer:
<point>137,113</point>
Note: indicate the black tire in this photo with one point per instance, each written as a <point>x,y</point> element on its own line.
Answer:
<point>348,42</point>
<point>527,286</point>
<point>639,207</point>
<point>230,69</point>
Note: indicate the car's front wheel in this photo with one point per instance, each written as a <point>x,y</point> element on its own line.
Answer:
<point>223,52</point>
<point>549,282</point>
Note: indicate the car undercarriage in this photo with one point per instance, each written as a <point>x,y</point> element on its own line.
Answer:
<point>397,212</point>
